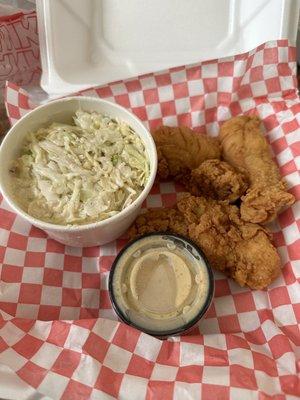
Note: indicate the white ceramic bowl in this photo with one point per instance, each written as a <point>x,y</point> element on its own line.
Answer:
<point>62,111</point>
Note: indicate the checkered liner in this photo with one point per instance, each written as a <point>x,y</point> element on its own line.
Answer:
<point>58,332</point>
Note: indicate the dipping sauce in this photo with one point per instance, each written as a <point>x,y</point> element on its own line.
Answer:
<point>161,284</point>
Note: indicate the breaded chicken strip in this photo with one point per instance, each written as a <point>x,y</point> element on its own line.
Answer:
<point>218,180</point>
<point>181,149</point>
<point>240,249</point>
<point>245,148</point>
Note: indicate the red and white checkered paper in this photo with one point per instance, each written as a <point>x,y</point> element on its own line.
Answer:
<point>58,331</point>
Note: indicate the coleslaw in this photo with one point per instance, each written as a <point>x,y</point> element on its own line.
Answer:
<point>81,173</point>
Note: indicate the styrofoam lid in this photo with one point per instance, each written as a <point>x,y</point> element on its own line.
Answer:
<point>98,41</point>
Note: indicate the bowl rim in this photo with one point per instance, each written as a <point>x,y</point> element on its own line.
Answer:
<point>183,328</point>
<point>74,228</point>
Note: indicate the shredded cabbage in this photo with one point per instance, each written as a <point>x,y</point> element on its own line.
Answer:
<point>82,173</point>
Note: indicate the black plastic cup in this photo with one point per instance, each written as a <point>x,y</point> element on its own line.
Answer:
<point>189,246</point>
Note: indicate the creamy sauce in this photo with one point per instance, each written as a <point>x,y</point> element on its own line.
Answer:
<point>160,284</point>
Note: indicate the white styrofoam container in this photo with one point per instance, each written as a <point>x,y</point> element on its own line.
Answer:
<point>92,42</point>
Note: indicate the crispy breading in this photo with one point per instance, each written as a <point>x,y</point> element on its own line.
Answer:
<point>159,220</point>
<point>246,149</point>
<point>240,249</point>
<point>181,149</point>
<point>218,180</point>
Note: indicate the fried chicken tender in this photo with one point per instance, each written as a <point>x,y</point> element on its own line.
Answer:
<point>218,180</point>
<point>245,148</point>
<point>181,149</point>
<point>159,220</point>
<point>240,249</point>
